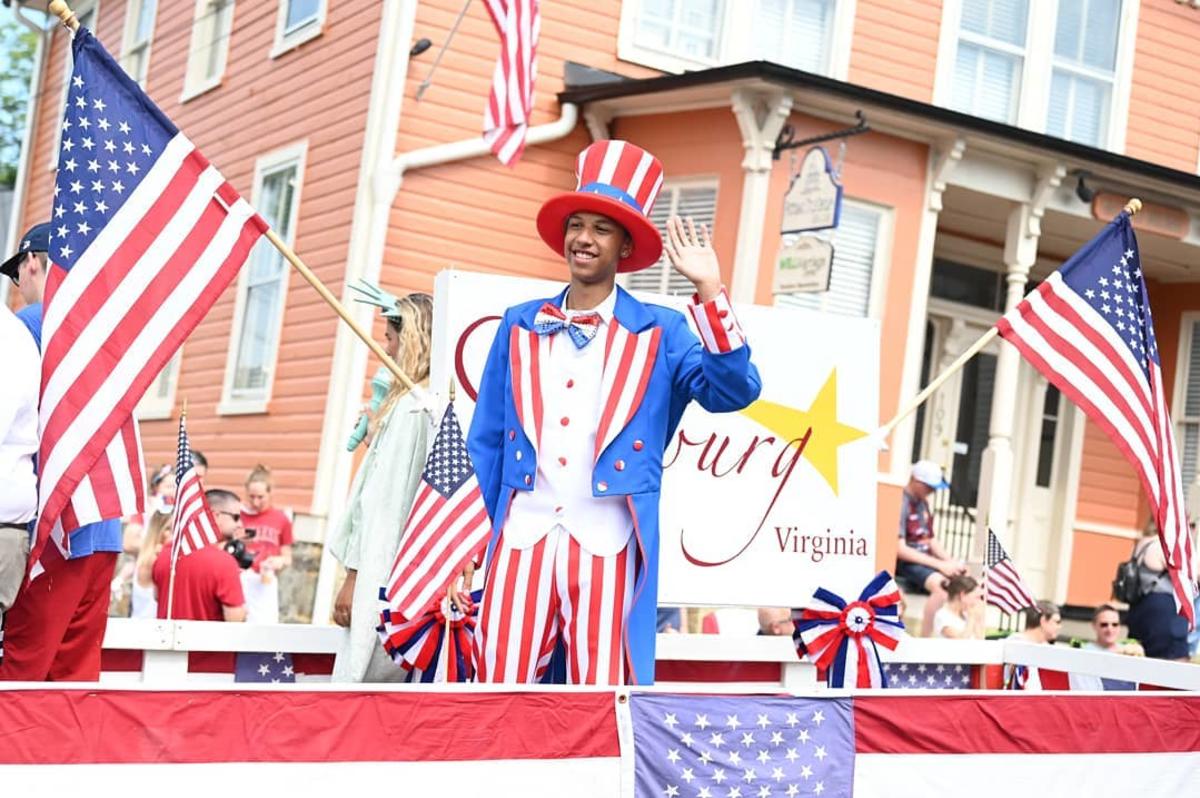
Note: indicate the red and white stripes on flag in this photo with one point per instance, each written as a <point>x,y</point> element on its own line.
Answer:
<point>1088,329</point>
<point>510,103</point>
<point>447,526</point>
<point>1003,586</point>
<point>194,526</point>
<point>146,236</point>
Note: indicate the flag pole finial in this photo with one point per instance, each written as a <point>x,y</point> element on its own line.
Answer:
<point>183,413</point>
<point>63,11</point>
<point>1133,206</point>
<point>452,390</point>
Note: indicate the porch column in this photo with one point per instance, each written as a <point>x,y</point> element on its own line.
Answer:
<point>996,470</point>
<point>760,118</point>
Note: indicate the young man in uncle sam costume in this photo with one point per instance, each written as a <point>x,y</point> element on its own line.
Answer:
<point>579,396</point>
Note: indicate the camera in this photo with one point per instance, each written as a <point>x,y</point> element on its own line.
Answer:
<point>237,549</point>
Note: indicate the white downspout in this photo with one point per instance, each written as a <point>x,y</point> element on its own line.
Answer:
<point>22,180</point>
<point>348,374</point>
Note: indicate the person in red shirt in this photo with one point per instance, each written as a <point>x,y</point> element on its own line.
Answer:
<point>271,545</point>
<point>208,583</point>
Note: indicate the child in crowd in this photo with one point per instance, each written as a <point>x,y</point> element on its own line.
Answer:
<point>961,617</point>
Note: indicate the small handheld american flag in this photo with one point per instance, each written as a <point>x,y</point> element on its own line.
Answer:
<point>194,526</point>
<point>447,526</point>
<point>146,235</point>
<point>1089,331</point>
<point>1003,585</point>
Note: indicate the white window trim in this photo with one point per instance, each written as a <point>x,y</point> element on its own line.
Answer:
<point>195,86</point>
<point>1178,395</point>
<point>131,10</point>
<point>286,41</point>
<point>1033,103</point>
<point>733,43</point>
<point>153,408</point>
<point>83,7</point>
<point>229,405</point>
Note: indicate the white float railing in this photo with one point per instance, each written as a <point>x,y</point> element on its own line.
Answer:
<point>165,648</point>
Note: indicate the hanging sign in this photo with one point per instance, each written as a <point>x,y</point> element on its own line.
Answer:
<point>803,265</point>
<point>814,199</point>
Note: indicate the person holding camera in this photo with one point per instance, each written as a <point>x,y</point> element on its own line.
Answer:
<point>208,584</point>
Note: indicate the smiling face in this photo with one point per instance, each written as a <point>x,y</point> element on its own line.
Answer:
<point>593,246</point>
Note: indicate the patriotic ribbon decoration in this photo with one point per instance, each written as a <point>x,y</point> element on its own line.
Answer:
<point>841,637</point>
<point>437,645</point>
<point>582,328</point>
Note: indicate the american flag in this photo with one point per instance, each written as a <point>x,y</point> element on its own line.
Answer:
<point>692,746</point>
<point>1003,585</point>
<point>927,676</point>
<point>194,526</point>
<point>146,236</point>
<point>1089,330</point>
<point>264,668</point>
<point>447,526</point>
<point>510,103</point>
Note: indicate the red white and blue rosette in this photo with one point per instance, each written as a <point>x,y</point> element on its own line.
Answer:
<point>437,646</point>
<point>842,637</point>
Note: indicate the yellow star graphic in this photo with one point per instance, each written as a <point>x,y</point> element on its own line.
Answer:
<point>828,434</point>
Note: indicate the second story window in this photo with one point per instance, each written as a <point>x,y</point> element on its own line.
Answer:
<point>1085,61</point>
<point>211,30</point>
<point>299,21</point>
<point>1061,67</point>
<point>990,59</point>
<point>139,31</point>
<point>680,35</point>
<point>694,198</point>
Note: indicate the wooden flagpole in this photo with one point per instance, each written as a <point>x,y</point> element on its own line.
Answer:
<point>1132,207</point>
<point>63,11</point>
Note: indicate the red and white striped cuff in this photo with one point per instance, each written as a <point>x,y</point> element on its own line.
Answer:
<point>719,328</point>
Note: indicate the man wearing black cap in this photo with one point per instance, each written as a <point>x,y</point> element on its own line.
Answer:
<point>27,269</point>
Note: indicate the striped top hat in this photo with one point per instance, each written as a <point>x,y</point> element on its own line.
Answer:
<point>618,180</point>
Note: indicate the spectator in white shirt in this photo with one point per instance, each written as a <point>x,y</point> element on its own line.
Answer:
<point>961,617</point>
<point>18,445</point>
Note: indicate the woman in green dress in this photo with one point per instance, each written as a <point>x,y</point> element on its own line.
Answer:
<point>366,540</point>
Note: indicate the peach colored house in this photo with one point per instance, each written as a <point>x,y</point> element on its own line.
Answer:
<point>1001,135</point>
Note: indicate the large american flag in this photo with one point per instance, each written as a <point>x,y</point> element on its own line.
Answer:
<point>146,236</point>
<point>1089,330</point>
<point>510,103</point>
<point>194,526</point>
<point>1003,585</point>
<point>447,526</point>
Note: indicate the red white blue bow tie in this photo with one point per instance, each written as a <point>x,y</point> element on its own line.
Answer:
<point>582,328</point>
<point>841,636</point>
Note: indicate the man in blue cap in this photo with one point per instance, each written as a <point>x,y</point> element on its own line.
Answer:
<point>27,269</point>
<point>920,559</point>
<point>55,627</point>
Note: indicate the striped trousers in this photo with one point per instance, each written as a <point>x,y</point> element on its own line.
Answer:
<point>555,591</point>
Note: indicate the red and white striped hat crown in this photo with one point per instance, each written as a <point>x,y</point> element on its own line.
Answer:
<point>618,180</point>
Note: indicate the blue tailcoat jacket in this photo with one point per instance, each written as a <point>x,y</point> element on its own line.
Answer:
<point>650,345</point>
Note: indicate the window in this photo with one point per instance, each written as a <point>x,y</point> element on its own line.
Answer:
<point>1051,414</point>
<point>262,287</point>
<point>159,399</point>
<point>211,30</point>
<point>857,259</point>
<point>1186,408</point>
<point>991,55</point>
<point>780,24</point>
<point>680,35</point>
<point>299,21</point>
<point>697,199</point>
<point>1085,62</point>
<point>1062,67</point>
<point>139,30</point>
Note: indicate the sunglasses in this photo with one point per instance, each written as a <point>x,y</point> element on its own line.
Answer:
<point>1106,624</point>
<point>235,516</point>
